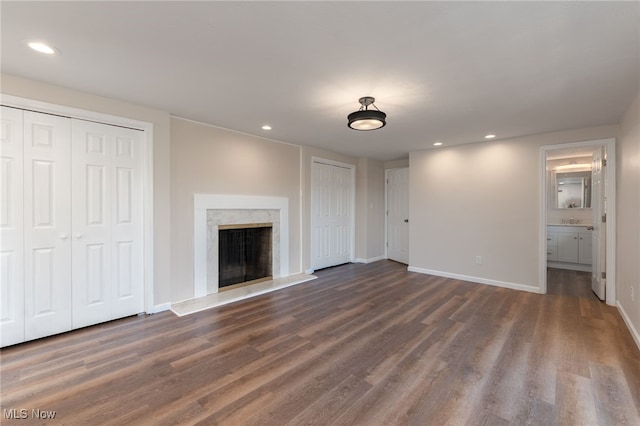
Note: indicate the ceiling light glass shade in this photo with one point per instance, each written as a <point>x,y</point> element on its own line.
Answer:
<point>367,119</point>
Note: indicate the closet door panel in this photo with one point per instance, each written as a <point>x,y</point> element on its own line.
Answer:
<point>127,250</point>
<point>11,227</point>
<point>107,268</point>
<point>47,224</point>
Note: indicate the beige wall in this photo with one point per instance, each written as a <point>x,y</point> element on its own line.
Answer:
<point>628,214</point>
<point>396,164</point>
<point>211,160</point>
<point>370,210</point>
<point>35,90</point>
<point>483,200</point>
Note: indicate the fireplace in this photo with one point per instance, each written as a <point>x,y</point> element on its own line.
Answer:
<point>244,253</point>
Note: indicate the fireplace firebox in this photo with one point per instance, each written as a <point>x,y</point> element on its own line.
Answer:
<point>244,253</point>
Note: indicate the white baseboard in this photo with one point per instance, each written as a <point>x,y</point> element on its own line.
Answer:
<point>160,308</point>
<point>496,283</point>
<point>569,266</point>
<point>634,333</point>
<point>373,259</point>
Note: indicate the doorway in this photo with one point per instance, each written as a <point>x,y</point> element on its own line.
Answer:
<point>397,224</point>
<point>595,223</point>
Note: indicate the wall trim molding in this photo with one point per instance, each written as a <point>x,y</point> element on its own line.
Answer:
<point>370,260</point>
<point>479,280</point>
<point>634,333</point>
<point>160,308</point>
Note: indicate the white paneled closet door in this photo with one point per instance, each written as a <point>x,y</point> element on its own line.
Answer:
<point>11,228</point>
<point>332,215</point>
<point>107,222</point>
<point>47,224</point>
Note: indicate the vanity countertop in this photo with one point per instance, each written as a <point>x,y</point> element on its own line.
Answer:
<point>569,224</point>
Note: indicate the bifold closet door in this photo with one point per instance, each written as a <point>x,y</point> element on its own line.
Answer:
<point>47,224</point>
<point>11,227</point>
<point>107,222</point>
<point>332,215</point>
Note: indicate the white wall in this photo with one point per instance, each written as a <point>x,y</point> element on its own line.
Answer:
<point>483,200</point>
<point>211,160</point>
<point>628,219</point>
<point>30,89</point>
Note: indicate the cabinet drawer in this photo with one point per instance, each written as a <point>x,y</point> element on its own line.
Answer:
<point>552,240</point>
<point>552,253</point>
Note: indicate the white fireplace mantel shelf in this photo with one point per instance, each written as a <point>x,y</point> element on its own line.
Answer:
<point>204,202</point>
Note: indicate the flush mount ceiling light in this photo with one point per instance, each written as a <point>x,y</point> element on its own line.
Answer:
<point>365,118</point>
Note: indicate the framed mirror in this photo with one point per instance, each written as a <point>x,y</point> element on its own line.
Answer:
<point>573,190</point>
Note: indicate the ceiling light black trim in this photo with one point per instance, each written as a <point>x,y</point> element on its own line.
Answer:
<point>366,119</point>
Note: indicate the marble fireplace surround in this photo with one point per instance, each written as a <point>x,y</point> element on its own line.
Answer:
<point>211,210</point>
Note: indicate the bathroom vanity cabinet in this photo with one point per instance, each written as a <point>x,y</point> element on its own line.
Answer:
<point>569,247</point>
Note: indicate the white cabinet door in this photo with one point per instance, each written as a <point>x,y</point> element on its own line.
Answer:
<point>107,222</point>
<point>47,224</point>
<point>552,246</point>
<point>398,215</point>
<point>567,247</point>
<point>584,248</point>
<point>11,228</point>
<point>332,215</point>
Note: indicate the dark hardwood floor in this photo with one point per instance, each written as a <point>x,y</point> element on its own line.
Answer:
<point>361,345</point>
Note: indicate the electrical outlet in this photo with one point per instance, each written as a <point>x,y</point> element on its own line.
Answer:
<point>478,260</point>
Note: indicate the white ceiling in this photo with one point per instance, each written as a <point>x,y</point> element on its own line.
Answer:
<point>442,71</point>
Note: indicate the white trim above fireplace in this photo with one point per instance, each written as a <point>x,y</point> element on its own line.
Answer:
<point>204,202</point>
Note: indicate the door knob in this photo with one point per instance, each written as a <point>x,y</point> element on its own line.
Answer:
<point>63,236</point>
<point>78,235</point>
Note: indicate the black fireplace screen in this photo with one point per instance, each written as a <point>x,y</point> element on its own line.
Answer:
<point>244,254</point>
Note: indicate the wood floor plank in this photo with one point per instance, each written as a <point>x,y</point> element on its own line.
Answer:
<point>362,345</point>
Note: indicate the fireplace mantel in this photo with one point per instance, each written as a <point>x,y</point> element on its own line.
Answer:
<point>204,202</point>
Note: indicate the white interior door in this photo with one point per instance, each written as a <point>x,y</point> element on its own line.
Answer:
<point>11,227</point>
<point>107,222</point>
<point>332,215</point>
<point>47,224</point>
<point>398,215</point>
<point>598,207</point>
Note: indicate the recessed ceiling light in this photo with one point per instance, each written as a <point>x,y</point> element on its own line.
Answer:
<point>41,47</point>
<point>437,143</point>
<point>266,127</point>
<point>490,136</point>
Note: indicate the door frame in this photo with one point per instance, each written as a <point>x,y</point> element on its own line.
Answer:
<point>352,237</point>
<point>147,177</point>
<point>386,211</point>
<point>610,190</point>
